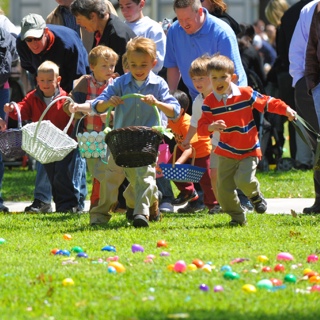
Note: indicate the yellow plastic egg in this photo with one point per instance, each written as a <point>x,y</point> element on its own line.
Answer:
<point>192,267</point>
<point>249,288</point>
<point>67,282</point>
<point>263,259</point>
<point>117,265</point>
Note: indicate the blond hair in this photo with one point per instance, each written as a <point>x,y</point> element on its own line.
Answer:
<point>49,66</point>
<point>199,66</point>
<point>124,61</point>
<point>221,63</point>
<point>275,10</point>
<point>142,45</point>
<point>101,52</point>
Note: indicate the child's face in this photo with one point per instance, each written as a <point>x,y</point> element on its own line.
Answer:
<point>48,82</point>
<point>104,69</point>
<point>221,81</point>
<point>140,65</point>
<point>130,10</point>
<point>202,84</point>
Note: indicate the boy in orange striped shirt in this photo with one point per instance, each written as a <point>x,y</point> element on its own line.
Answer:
<point>228,110</point>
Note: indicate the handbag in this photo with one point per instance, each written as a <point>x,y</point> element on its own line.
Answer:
<point>164,155</point>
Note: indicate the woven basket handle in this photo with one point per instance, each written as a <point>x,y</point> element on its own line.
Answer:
<point>18,114</point>
<point>47,109</point>
<point>175,156</point>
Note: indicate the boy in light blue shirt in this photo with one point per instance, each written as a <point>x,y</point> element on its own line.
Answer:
<point>142,193</point>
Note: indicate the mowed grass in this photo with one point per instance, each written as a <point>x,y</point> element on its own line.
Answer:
<point>31,277</point>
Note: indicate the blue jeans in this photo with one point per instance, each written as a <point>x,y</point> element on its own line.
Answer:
<point>42,189</point>
<point>4,98</point>
<point>165,188</point>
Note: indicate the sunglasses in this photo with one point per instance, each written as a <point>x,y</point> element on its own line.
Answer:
<point>33,39</point>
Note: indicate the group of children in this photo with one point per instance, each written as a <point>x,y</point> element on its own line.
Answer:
<point>222,111</point>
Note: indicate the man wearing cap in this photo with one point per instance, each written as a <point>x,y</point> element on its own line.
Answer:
<point>38,42</point>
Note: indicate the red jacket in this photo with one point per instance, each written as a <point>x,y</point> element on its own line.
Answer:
<point>33,105</point>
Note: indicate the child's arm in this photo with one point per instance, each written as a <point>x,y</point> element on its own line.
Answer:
<point>3,125</point>
<point>166,108</point>
<point>218,125</point>
<point>103,106</point>
<point>8,107</point>
<point>186,142</point>
<point>291,114</point>
<point>184,156</point>
<point>80,107</point>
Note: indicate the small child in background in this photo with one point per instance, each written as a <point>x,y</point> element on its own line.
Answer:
<point>228,110</point>
<point>202,146</point>
<point>102,62</point>
<point>31,108</point>
<point>142,193</point>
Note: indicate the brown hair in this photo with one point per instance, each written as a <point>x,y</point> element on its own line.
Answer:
<point>49,66</point>
<point>199,66</point>
<point>101,52</point>
<point>221,63</point>
<point>143,45</point>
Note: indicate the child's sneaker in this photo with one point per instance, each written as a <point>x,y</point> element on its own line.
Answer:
<point>259,203</point>
<point>184,197</point>
<point>233,223</point>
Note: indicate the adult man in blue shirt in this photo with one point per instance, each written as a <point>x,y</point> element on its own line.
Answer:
<point>195,33</point>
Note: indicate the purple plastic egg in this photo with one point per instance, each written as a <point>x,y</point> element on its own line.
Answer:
<point>218,288</point>
<point>164,254</point>
<point>137,248</point>
<point>203,287</point>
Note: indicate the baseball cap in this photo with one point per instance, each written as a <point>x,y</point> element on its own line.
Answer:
<point>32,25</point>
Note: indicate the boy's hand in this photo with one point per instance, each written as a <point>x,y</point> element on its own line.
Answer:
<point>8,107</point>
<point>185,144</point>
<point>3,125</point>
<point>73,107</point>
<point>218,125</point>
<point>150,100</point>
<point>291,114</point>
<point>114,101</point>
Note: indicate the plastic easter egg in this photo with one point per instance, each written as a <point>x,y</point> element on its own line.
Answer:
<point>148,260</point>
<point>115,258</point>
<point>162,243</point>
<point>306,271</point>
<point>192,267</point>
<point>314,279</point>
<point>54,251</point>
<point>77,249</point>
<point>170,267</point>
<point>284,256</point>
<point>207,268</point>
<point>67,237</point>
<point>151,256</point>
<point>164,254</point>
<point>137,248</point>
<point>203,287</point>
<point>312,274</point>
<point>218,288</point>
<point>199,263</point>
<point>2,241</point>
<point>225,268</point>
<point>63,253</point>
<point>312,258</point>
<point>265,284</point>
<point>180,266</point>
<point>279,268</point>
<point>276,282</point>
<point>230,275</point>
<point>315,288</point>
<point>67,282</point>
<point>266,269</point>
<point>117,265</point>
<point>249,288</point>
<point>82,255</point>
<point>109,248</point>
<point>263,259</point>
<point>112,269</point>
<point>290,278</point>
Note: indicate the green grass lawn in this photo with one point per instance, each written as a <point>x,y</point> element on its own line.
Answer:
<point>31,278</point>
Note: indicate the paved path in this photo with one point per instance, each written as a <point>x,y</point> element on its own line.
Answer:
<point>274,205</point>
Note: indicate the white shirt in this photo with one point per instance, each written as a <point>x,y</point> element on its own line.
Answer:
<point>299,41</point>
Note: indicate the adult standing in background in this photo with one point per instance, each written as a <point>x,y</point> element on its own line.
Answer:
<point>62,16</point>
<point>304,102</point>
<point>37,43</point>
<point>195,33</point>
<point>109,30</point>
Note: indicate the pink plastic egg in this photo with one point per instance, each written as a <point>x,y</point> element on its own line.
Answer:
<point>180,266</point>
<point>312,258</point>
<point>284,256</point>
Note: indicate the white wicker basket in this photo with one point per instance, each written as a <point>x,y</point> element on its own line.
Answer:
<point>44,141</point>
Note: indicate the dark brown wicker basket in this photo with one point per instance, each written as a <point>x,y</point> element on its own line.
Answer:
<point>134,146</point>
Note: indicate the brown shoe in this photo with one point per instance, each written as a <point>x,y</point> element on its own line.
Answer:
<point>154,212</point>
<point>99,218</point>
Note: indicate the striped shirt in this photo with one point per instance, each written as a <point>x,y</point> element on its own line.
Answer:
<point>240,139</point>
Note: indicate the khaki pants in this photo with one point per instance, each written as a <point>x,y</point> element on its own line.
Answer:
<point>233,174</point>
<point>140,194</point>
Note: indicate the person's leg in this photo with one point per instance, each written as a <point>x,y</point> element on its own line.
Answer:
<point>42,192</point>
<point>165,188</point>
<point>226,187</point>
<point>307,110</point>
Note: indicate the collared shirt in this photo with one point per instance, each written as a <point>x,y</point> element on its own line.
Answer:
<point>214,36</point>
<point>133,112</point>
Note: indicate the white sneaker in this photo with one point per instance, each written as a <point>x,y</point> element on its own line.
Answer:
<point>166,207</point>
